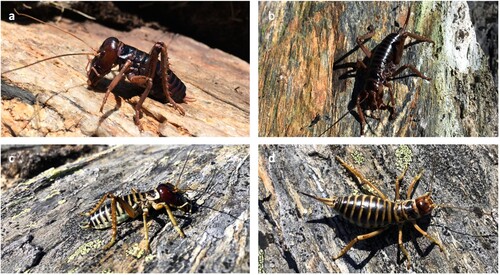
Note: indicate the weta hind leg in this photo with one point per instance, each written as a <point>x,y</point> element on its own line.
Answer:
<point>164,81</point>
<point>362,179</point>
<point>358,238</point>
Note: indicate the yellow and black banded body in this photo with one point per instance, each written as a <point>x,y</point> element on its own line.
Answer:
<point>376,211</point>
<point>102,218</point>
<point>113,210</point>
<point>370,211</point>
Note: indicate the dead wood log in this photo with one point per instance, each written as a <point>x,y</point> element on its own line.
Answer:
<point>299,234</point>
<point>65,107</point>
<point>300,93</point>
<point>41,216</point>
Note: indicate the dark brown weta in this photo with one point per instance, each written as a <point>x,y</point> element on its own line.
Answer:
<point>148,70</point>
<point>379,67</point>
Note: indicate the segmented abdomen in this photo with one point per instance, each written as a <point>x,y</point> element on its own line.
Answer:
<point>175,85</point>
<point>101,219</point>
<point>366,211</point>
<point>382,54</point>
<point>139,58</point>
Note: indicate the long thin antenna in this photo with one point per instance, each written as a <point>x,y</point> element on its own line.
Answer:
<point>338,120</point>
<point>182,171</point>
<point>42,60</point>
<point>54,26</point>
<point>476,210</point>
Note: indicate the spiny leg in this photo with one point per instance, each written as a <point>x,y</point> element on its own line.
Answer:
<point>403,249</point>
<point>148,83</point>
<point>98,205</point>
<point>145,80</point>
<point>361,178</point>
<point>393,102</point>
<point>425,234</point>
<point>115,82</point>
<point>359,238</point>
<point>398,180</point>
<point>174,222</point>
<point>361,39</point>
<point>158,206</point>
<point>362,120</point>
<point>113,224</point>
<point>128,209</point>
<point>412,184</point>
<point>164,81</point>
<point>144,245</point>
<point>417,37</point>
<point>413,69</point>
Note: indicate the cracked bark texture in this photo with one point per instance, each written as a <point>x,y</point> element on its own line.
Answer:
<point>300,93</point>
<point>300,234</point>
<point>51,98</point>
<point>41,216</point>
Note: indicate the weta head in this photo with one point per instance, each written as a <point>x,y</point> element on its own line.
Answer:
<point>170,195</point>
<point>104,60</point>
<point>425,204</point>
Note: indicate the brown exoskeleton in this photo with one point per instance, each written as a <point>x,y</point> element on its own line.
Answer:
<point>379,67</point>
<point>141,69</point>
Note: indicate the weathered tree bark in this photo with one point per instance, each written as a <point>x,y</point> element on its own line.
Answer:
<point>300,93</point>
<point>300,234</point>
<point>41,216</point>
<point>63,105</point>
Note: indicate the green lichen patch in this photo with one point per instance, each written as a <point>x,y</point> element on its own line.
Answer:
<point>358,157</point>
<point>261,261</point>
<point>136,251</point>
<point>150,258</point>
<point>404,157</point>
<point>85,249</point>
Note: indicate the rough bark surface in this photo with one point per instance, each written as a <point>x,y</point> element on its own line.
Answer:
<point>300,93</point>
<point>51,98</point>
<point>41,216</point>
<point>300,234</point>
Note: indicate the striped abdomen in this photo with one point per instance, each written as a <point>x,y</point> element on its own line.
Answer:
<point>101,219</point>
<point>374,212</point>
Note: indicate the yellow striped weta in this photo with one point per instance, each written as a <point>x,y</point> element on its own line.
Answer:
<point>376,211</point>
<point>108,214</point>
